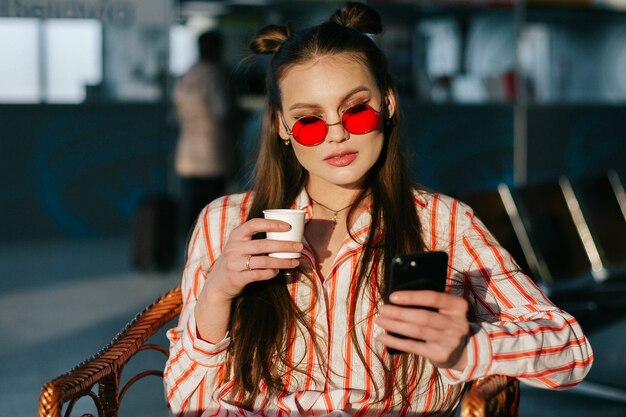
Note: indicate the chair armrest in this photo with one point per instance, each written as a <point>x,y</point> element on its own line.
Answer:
<point>492,396</point>
<point>106,366</point>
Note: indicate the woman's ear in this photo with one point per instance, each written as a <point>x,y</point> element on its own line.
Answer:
<point>390,103</point>
<point>280,126</point>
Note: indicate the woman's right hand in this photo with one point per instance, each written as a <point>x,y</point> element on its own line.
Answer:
<point>242,261</point>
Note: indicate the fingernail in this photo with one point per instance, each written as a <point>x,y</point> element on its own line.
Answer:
<point>394,297</point>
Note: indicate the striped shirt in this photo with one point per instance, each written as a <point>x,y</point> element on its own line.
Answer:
<point>517,331</point>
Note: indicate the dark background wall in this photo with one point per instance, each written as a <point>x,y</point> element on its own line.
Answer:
<point>78,170</point>
<point>579,141</point>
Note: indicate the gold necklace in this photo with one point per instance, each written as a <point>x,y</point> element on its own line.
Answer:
<point>335,212</point>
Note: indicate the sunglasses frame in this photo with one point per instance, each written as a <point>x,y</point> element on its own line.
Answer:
<point>327,125</point>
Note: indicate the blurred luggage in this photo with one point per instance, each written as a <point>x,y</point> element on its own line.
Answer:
<point>155,234</point>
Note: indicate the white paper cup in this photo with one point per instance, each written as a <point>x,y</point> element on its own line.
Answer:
<point>296,219</point>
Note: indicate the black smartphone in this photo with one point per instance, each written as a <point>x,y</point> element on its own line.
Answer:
<point>417,271</point>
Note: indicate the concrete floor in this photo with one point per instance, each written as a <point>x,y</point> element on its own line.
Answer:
<point>63,301</point>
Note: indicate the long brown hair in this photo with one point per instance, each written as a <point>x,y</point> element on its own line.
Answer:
<point>266,308</point>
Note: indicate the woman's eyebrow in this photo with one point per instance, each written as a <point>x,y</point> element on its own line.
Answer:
<point>349,94</point>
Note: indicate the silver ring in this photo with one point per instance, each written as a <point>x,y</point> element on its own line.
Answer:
<point>248,263</point>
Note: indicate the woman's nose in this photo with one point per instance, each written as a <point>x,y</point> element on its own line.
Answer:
<point>336,132</point>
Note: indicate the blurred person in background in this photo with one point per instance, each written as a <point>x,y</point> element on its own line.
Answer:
<point>203,155</point>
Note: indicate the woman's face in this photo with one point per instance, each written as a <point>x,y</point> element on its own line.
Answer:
<point>326,87</point>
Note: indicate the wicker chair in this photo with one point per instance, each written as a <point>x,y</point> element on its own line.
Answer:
<point>496,396</point>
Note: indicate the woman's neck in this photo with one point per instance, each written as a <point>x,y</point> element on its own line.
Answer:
<point>333,198</point>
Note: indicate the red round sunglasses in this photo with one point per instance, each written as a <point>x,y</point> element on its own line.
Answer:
<point>311,130</point>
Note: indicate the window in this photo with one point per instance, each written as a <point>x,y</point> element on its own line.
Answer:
<point>183,49</point>
<point>49,60</point>
<point>19,66</point>
<point>73,58</point>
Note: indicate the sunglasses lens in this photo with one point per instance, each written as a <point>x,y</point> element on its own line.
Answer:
<point>360,119</point>
<point>309,130</point>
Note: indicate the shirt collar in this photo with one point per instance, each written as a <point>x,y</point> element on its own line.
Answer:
<point>303,202</point>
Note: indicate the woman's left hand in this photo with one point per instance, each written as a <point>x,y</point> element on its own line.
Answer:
<point>440,336</point>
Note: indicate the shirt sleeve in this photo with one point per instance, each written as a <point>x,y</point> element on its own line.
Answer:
<point>194,365</point>
<point>516,330</point>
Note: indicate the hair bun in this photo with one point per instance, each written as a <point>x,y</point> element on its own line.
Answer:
<point>358,16</point>
<point>269,39</point>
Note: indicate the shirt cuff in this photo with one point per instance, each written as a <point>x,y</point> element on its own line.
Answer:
<point>479,358</point>
<point>201,351</point>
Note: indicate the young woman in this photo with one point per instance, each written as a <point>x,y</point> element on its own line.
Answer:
<point>265,336</point>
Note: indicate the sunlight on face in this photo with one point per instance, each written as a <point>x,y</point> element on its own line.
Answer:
<point>326,87</point>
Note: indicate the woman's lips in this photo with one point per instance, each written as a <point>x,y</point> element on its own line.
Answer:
<point>341,159</point>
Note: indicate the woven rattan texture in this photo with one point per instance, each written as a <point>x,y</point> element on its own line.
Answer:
<point>105,367</point>
<point>492,396</point>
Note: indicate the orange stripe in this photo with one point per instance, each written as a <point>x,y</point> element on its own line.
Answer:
<point>194,240</point>
<point>553,384</point>
<point>369,352</point>
<point>311,354</point>
<point>168,368</point>
<point>223,222</point>
<point>290,353</point>
<point>470,376</point>
<point>330,320</point>
<point>328,401</point>
<point>351,306</point>
<point>452,242</point>
<point>183,408</point>
<point>225,392</point>
<point>430,393</point>
<point>369,340</point>
<point>240,411</point>
<point>178,381</point>
<point>541,329</point>
<point>387,405</point>
<point>346,254</point>
<point>567,367</point>
<point>266,398</point>
<point>540,351</point>
<point>243,213</point>
<point>448,394</point>
<point>200,392</point>
<point>176,357</point>
<point>359,233</point>
<point>417,200</point>
<point>207,239</point>
<point>433,222</point>
<point>498,255</point>
<point>485,272</point>
<point>478,299</point>
<point>196,284</point>
<point>221,374</point>
<point>450,374</point>
<point>548,382</point>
